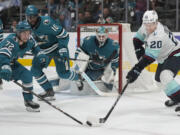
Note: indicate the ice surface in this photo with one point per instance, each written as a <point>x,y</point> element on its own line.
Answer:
<point>135,114</point>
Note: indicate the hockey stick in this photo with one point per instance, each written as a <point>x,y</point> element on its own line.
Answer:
<point>29,54</point>
<point>46,101</point>
<point>92,84</point>
<point>104,119</point>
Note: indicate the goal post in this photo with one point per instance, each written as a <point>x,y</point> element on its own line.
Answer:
<point>114,32</point>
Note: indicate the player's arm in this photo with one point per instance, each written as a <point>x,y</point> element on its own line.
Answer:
<point>136,70</point>
<point>5,59</point>
<point>62,36</point>
<point>115,57</point>
<point>35,47</point>
<point>138,42</point>
<point>40,57</point>
<point>81,53</point>
<point>58,31</point>
<point>151,54</point>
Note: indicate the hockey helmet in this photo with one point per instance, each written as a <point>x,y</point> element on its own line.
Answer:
<point>23,26</point>
<point>101,35</point>
<point>31,10</point>
<point>150,16</point>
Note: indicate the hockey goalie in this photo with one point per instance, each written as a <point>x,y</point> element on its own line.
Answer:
<point>102,55</point>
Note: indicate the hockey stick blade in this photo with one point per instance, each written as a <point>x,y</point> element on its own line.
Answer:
<point>103,120</point>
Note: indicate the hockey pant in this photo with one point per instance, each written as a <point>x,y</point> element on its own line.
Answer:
<point>169,69</point>
<point>19,72</point>
<point>62,69</point>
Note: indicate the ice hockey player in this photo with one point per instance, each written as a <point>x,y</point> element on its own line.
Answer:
<point>162,47</point>
<point>1,38</point>
<point>53,40</point>
<point>101,52</point>
<point>16,45</point>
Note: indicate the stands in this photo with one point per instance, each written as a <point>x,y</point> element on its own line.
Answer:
<point>90,11</point>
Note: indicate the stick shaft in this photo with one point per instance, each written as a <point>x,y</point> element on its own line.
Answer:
<point>29,54</point>
<point>103,120</point>
<point>49,103</point>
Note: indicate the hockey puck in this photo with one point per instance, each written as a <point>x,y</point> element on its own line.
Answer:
<point>89,123</point>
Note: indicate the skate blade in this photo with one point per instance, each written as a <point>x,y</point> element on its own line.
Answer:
<point>48,99</point>
<point>29,109</point>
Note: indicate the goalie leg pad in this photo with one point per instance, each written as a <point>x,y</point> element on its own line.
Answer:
<point>82,64</point>
<point>94,74</point>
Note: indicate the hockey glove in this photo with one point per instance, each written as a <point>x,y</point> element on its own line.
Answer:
<point>43,60</point>
<point>6,72</point>
<point>63,53</point>
<point>133,74</point>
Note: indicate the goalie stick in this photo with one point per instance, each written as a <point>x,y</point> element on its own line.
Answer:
<point>92,84</point>
<point>104,119</point>
<point>49,103</point>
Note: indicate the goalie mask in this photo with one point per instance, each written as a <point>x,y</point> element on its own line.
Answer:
<point>101,35</point>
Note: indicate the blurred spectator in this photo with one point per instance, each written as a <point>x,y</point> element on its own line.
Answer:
<point>61,5</point>
<point>139,11</point>
<point>153,4</point>
<point>106,13</point>
<point>13,26</point>
<point>88,17</point>
<point>52,6</point>
<point>72,4</point>
<point>81,18</point>
<point>9,3</point>
<point>64,20</point>
<point>101,20</point>
<point>117,9</point>
<point>97,13</point>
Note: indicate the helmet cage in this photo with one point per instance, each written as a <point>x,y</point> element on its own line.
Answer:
<point>101,35</point>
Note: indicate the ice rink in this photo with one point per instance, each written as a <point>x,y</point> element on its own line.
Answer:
<point>135,114</point>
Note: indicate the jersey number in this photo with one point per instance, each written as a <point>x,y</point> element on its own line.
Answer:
<point>9,45</point>
<point>55,27</point>
<point>156,44</point>
<point>172,38</point>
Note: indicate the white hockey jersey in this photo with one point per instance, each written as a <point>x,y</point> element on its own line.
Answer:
<point>159,44</point>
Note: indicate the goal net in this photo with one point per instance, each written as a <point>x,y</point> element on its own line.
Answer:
<point>127,59</point>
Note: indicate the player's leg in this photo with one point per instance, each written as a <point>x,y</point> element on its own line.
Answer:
<point>41,78</point>
<point>63,71</point>
<point>21,73</point>
<point>169,81</point>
